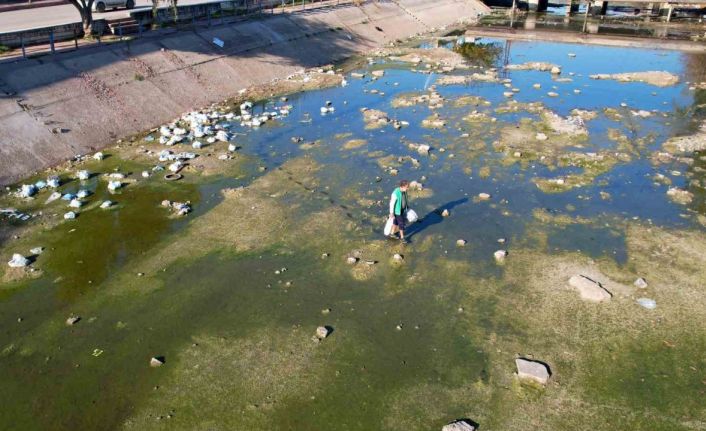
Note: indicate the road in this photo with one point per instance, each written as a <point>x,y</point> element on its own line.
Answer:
<point>64,14</point>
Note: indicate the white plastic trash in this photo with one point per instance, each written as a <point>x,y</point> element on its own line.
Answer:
<point>114,185</point>
<point>388,226</point>
<point>412,216</point>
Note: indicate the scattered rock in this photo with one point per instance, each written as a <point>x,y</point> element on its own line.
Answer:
<point>680,196</point>
<point>590,290</point>
<point>397,257</point>
<point>532,370</point>
<point>37,250</point>
<point>157,361</point>
<point>350,260</point>
<point>459,425</point>
<point>322,332</point>
<point>72,320</point>
<point>445,213</point>
<point>483,196</point>
<point>641,283</point>
<point>461,242</point>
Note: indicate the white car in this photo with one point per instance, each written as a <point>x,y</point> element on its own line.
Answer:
<point>103,5</point>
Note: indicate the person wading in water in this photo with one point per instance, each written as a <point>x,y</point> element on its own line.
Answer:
<point>398,210</point>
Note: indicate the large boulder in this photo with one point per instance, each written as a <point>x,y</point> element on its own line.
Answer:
<point>459,425</point>
<point>532,370</point>
<point>589,289</point>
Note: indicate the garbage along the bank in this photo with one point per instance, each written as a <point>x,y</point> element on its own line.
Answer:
<point>412,217</point>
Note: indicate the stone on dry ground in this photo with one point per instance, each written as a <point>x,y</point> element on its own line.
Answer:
<point>460,425</point>
<point>532,370</point>
<point>589,289</point>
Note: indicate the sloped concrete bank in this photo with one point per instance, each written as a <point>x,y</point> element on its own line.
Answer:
<point>98,95</point>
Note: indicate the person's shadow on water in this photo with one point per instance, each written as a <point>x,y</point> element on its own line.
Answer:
<point>432,218</point>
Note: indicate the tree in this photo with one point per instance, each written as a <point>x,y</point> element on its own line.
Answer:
<point>84,8</point>
<point>155,3</point>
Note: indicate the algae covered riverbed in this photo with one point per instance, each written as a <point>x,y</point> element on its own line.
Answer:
<point>573,176</point>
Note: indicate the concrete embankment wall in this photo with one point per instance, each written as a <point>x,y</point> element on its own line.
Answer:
<point>101,94</point>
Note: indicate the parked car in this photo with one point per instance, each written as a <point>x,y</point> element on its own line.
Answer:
<point>103,5</point>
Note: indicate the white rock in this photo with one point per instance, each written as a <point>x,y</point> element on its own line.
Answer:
<point>72,320</point>
<point>423,149</point>
<point>397,257</point>
<point>99,156</point>
<point>322,332</point>
<point>532,370</point>
<point>641,283</point>
<point>461,242</point>
<point>75,203</point>
<point>197,145</point>
<point>37,250</point>
<point>114,185</point>
<point>541,137</point>
<point>590,290</point>
<point>52,197</point>
<point>70,215</point>
<point>83,175</point>
<point>106,204</point>
<point>555,70</point>
<point>460,425</point>
<point>351,260</point>
<point>156,362</point>
<point>18,261</point>
<point>483,196</point>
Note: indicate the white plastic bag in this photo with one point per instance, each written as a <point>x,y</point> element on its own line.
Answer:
<point>388,226</point>
<point>412,216</point>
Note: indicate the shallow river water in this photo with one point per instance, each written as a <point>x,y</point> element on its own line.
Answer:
<point>231,294</point>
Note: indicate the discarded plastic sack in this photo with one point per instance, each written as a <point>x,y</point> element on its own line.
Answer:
<point>388,226</point>
<point>412,216</point>
<point>53,181</point>
<point>176,166</point>
<point>28,190</point>
<point>18,261</point>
